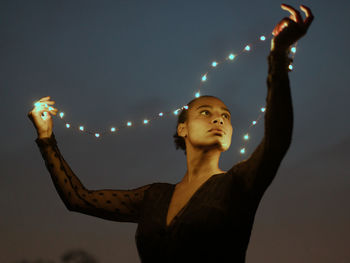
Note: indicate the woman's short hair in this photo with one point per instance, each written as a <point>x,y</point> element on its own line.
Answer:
<point>178,140</point>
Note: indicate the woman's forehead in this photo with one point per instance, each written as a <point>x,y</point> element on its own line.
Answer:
<point>210,101</point>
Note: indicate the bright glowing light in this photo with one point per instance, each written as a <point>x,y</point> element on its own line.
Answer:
<point>112,129</point>
<point>61,114</point>
<point>97,135</point>
<point>214,64</point>
<point>160,114</point>
<point>247,48</point>
<point>197,94</point>
<point>231,56</point>
<point>37,104</point>
<point>262,38</point>
<point>293,49</point>
<point>129,123</point>
<point>176,112</point>
<point>145,121</point>
<point>81,128</point>
<point>45,116</point>
<point>50,108</point>
<point>246,136</point>
<point>67,125</point>
<point>254,122</point>
<point>242,151</point>
<point>263,109</point>
<point>186,107</point>
<point>204,78</point>
<point>290,67</point>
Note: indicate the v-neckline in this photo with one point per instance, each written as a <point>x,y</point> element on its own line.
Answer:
<point>177,215</point>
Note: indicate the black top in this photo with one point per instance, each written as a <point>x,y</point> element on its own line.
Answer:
<point>215,225</point>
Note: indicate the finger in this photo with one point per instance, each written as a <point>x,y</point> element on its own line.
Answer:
<point>45,98</point>
<point>308,13</point>
<point>281,25</point>
<point>54,112</point>
<point>43,103</point>
<point>295,13</point>
<point>49,102</point>
<point>53,109</point>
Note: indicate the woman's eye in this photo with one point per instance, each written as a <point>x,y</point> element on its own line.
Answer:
<point>226,116</point>
<point>205,112</point>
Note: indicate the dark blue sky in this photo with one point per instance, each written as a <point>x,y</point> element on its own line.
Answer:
<point>106,62</point>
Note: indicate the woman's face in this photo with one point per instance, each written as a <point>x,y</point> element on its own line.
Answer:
<point>208,124</point>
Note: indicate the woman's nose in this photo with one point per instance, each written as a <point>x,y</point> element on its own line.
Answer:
<point>218,120</point>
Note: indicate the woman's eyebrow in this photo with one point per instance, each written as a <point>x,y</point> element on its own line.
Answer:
<point>209,106</point>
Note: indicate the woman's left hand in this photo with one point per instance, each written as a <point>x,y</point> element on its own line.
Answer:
<point>289,30</point>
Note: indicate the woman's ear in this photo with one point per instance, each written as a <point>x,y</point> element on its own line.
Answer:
<point>182,130</point>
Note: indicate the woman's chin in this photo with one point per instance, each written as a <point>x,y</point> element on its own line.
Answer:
<point>219,145</point>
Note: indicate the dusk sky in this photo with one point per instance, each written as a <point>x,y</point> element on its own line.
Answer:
<point>108,62</point>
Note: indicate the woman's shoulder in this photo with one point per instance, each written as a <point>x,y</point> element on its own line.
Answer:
<point>160,186</point>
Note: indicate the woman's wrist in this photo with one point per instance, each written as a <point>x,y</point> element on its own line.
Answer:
<point>278,49</point>
<point>45,140</point>
<point>279,60</point>
<point>44,135</point>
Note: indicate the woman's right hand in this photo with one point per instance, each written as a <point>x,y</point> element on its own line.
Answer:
<point>43,124</point>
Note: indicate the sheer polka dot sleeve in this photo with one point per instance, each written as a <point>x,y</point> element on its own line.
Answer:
<point>115,205</point>
<point>260,169</point>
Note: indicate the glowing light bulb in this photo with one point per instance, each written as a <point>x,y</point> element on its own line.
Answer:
<point>263,109</point>
<point>254,122</point>
<point>67,125</point>
<point>145,121</point>
<point>246,136</point>
<point>214,64</point>
<point>175,112</point>
<point>197,94</point>
<point>290,67</point>
<point>129,123</point>
<point>112,129</point>
<point>242,151</point>
<point>45,115</point>
<point>231,56</point>
<point>262,38</point>
<point>186,107</point>
<point>61,114</point>
<point>293,49</point>
<point>204,78</point>
<point>97,135</point>
<point>247,48</point>
<point>160,114</point>
<point>81,128</point>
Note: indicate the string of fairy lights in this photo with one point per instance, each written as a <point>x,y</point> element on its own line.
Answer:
<point>127,124</point>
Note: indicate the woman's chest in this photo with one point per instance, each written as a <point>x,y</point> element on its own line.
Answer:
<point>168,207</point>
<point>180,198</point>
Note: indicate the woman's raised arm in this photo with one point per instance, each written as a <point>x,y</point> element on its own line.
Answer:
<point>116,205</point>
<point>260,169</point>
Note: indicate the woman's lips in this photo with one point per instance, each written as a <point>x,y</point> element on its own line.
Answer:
<point>216,130</point>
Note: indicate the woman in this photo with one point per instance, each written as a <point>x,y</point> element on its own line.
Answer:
<point>209,214</point>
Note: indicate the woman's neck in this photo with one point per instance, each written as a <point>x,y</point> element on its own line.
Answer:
<point>201,164</point>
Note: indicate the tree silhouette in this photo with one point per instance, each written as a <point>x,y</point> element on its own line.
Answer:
<point>70,256</point>
<point>77,256</point>
<point>35,261</point>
